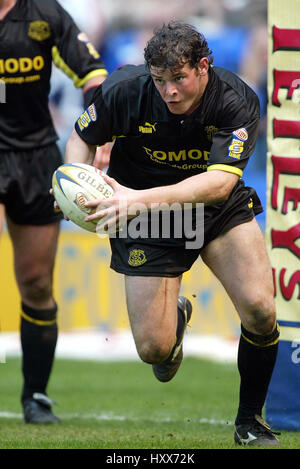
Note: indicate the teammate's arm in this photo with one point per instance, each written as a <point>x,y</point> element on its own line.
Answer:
<point>89,89</point>
<point>75,55</point>
<point>77,151</point>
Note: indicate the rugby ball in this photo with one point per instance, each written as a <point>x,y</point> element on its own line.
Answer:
<point>73,185</point>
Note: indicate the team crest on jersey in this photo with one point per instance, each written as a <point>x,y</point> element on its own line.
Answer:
<point>236,146</point>
<point>137,257</point>
<point>39,30</point>
<point>210,131</point>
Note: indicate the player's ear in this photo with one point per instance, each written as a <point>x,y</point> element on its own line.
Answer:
<point>203,66</point>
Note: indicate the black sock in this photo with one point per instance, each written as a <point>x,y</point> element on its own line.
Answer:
<point>180,324</point>
<point>256,360</point>
<point>38,340</point>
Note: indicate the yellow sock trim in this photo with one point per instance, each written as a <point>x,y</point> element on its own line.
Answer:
<point>266,345</point>
<point>38,322</point>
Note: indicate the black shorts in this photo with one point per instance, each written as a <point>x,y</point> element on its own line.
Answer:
<point>161,257</point>
<point>25,181</point>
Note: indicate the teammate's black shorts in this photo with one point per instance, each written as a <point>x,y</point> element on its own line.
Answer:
<point>25,181</point>
<point>161,257</point>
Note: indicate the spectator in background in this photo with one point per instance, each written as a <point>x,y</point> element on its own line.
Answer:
<point>237,33</point>
<point>253,69</point>
<point>32,32</point>
<point>129,28</point>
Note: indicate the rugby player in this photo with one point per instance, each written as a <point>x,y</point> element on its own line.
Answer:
<point>184,131</point>
<point>33,33</point>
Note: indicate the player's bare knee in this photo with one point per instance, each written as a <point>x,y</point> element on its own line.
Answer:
<point>36,289</point>
<point>264,323</point>
<point>152,352</point>
<point>261,318</point>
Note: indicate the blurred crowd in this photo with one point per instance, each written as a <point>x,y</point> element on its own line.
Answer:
<point>236,31</point>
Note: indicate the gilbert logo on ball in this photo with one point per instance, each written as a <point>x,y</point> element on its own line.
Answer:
<point>75,184</point>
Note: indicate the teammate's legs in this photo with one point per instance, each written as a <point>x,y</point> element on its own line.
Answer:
<point>239,260</point>
<point>152,310</point>
<point>2,216</point>
<point>34,255</point>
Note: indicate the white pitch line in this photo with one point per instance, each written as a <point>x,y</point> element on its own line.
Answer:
<point>123,418</point>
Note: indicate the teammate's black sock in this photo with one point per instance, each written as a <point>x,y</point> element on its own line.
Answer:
<point>256,360</point>
<point>38,340</point>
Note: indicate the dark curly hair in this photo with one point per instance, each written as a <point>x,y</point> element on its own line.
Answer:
<point>176,44</point>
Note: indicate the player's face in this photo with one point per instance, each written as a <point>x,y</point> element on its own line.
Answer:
<point>181,88</point>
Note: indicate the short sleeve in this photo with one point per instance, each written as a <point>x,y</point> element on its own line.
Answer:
<point>73,52</point>
<point>94,124</point>
<point>235,140</point>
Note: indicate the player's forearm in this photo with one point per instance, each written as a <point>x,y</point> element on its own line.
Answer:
<point>207,188</point>
<point>78,151</point>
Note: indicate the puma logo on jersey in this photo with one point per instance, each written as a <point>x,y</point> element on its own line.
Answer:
<point>148,128</point>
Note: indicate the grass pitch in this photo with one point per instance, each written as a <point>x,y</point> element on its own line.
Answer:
<point>109,405</point>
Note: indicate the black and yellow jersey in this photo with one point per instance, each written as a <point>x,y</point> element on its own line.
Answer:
<point>32,35</point>
<point>154,147</point>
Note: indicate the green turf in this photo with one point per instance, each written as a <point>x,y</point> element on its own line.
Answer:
<point>121,405</point>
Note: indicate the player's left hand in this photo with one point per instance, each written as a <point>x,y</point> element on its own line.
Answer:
<point>102,156</point>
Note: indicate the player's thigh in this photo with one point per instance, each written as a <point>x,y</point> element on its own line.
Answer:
<point>34,249</point>
<point>152,309</point>
<point>240,261</point>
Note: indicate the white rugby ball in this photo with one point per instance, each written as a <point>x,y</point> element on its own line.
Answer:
<point>73,185</point>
